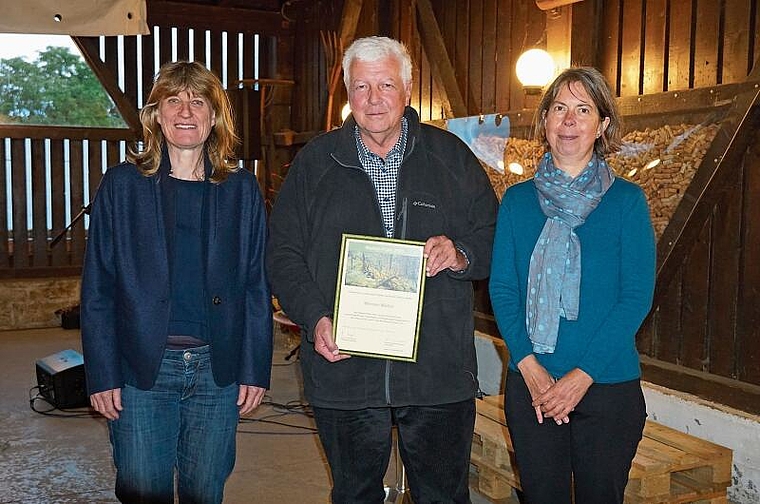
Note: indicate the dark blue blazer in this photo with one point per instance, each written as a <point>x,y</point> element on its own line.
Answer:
<point>126,281</point>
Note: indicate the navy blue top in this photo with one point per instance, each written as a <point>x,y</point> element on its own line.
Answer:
<point>186,259</point>
<point>617,282</point>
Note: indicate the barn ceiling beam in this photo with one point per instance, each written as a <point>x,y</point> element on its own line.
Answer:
<point>232,19</point>
<point>440,63</point>
<point>90,49</point>
<point>554,4</point>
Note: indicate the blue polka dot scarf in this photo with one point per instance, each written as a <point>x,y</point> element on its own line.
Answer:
<point>554,277</point>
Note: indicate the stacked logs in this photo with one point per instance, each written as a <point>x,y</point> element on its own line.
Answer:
<point>520,159</point>
<point>660,160</point>
<point>663,162</point>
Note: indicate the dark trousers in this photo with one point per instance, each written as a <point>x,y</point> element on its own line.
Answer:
<point>592,453</point>
<point>434,443</point>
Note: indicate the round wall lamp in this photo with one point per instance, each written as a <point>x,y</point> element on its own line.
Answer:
<point>535,68</point>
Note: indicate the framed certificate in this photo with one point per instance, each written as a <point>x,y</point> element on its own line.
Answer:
<point>378,305</point>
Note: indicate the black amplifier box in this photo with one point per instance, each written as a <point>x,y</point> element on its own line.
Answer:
<point>61,381</point>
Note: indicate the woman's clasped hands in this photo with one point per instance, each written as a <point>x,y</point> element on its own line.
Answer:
<point>552,398</point>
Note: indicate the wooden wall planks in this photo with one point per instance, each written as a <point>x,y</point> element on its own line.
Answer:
<point>641,46</point>
<point>748,316</point>
<point>724,280</point>
<point>655,42</point>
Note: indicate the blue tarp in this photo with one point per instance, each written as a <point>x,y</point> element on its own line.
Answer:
<point>486,135</point>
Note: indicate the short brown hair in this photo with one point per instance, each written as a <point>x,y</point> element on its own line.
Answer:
<point>597,88</point>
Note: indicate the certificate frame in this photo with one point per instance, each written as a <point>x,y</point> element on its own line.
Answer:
<point>379,297</point>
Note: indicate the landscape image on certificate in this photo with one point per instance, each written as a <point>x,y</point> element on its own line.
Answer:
<point>370,266</point>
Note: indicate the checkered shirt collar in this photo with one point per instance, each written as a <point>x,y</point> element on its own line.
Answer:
<point>394,156</point>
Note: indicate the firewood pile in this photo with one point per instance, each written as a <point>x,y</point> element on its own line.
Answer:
<point>660,160</point>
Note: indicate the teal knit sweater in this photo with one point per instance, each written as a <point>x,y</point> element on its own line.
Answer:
<point>617,282</point>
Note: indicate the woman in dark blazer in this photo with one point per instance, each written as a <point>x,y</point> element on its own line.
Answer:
<point>176,320</point>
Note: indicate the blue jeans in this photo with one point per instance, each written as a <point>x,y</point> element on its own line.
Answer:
<point>184,423</point>
<point>434,443</point>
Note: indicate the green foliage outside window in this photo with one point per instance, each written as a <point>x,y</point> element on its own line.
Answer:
<point>58,88</point>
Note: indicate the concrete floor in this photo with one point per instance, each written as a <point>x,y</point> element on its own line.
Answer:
<point>56,460</point>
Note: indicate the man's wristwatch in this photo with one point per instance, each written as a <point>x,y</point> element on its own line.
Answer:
<point>466,259</point>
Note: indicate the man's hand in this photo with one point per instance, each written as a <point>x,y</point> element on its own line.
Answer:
<point>249,398</point>
<point>323,341</point>
<point>441,254</point>
<point>107,403</point>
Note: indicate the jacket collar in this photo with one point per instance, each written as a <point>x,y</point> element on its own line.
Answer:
<point>345,151</point>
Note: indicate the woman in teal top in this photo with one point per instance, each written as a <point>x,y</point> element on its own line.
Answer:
<point>572,279</point>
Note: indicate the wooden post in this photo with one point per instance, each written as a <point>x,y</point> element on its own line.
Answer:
<point>559,24</point>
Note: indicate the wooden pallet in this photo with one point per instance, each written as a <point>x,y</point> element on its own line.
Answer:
<point>511,498</point>
<point>492,451</point>
<point>669,467</point>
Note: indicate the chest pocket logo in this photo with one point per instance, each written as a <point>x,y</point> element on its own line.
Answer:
<point>423,204</point>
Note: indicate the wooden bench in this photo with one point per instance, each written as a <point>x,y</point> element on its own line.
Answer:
<point>669,466</point>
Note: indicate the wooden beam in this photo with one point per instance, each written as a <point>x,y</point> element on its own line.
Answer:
<point>91,52</point>
<point>734,393</point>
<point>231,19</point>
<point>587,26</point>
<point>349,20</point>
<point>65,132</point>
<point>290,138</point>
<point>689,101</point>
<point>755,72</point>
<point>5,252</point>
<point>725,153</point>
<point>440,63</point>
<point>486,323</point>
<point>559,23</point>
<point>41,272</point>
<point>554,4</point>
<point>334,46</point>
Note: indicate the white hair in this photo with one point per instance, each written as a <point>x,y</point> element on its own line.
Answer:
<point>372,49</point>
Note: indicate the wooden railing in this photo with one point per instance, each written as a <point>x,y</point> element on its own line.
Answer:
<point>49,176</point>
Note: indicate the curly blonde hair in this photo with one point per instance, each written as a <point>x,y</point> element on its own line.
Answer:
<point>171,80</point>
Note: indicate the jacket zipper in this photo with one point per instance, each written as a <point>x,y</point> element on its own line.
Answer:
<point>402,235</point>
<point>403,215</point>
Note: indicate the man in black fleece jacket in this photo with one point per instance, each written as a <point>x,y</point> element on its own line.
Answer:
<point>384,174</point>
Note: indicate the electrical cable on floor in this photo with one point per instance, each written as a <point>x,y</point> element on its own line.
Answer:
<point>281,410</point>
<point>83,412</point>
<point>289,408</point>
